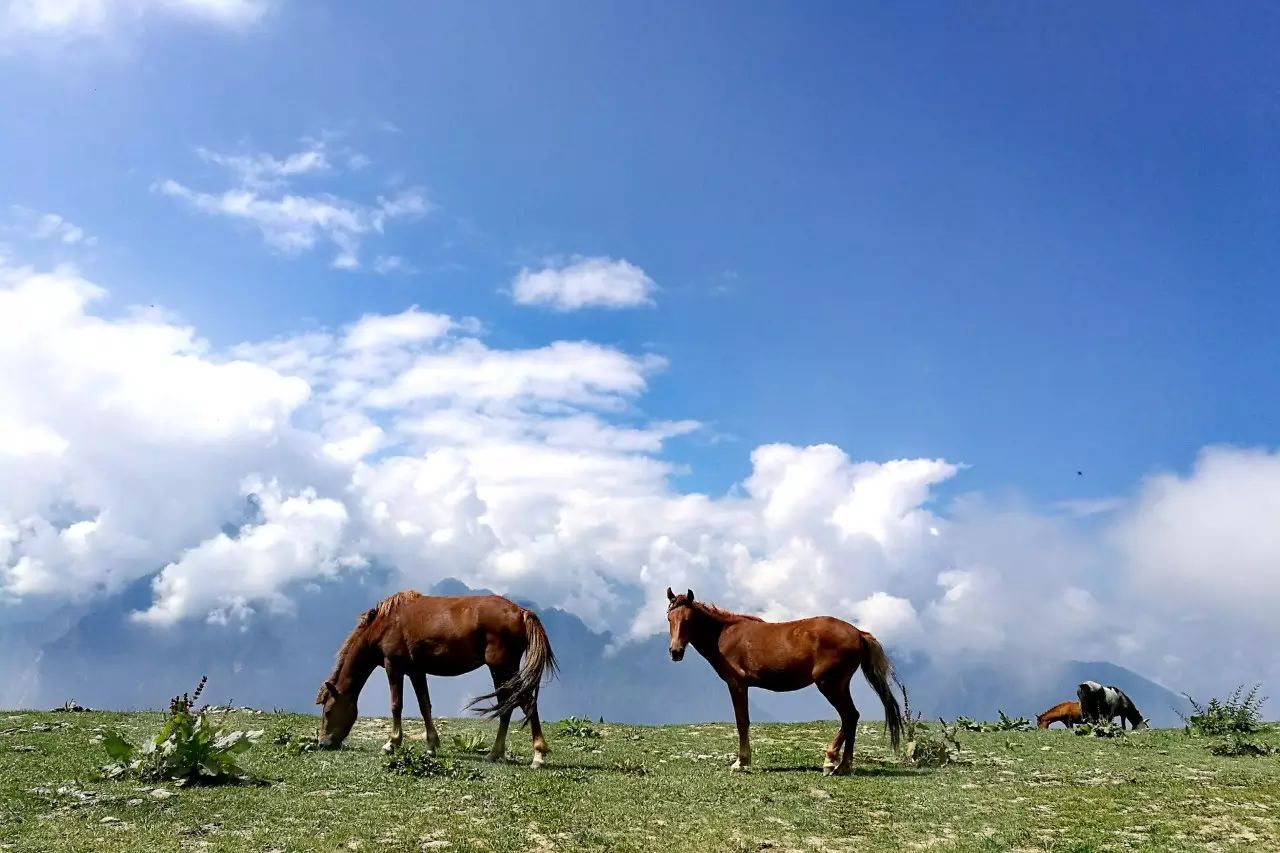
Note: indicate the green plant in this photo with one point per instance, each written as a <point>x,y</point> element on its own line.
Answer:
<point>1099,730</point>
<point>1011,724</point>
<point>577,727</point>
<point>408,761</point>
<point>923,747</point>
<point>471,742</point>
<point>1004,724</point>
<point>294,744</point>
<point>189,748</point>
<point>1234,745</point>
<point>1239,713</point>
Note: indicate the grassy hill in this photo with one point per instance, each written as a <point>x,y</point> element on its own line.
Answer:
<point>640,788</point>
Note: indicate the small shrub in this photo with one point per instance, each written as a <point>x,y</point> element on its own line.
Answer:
<point>471,742</point>
<point>577,727</point>
<point>70,706</point>
<point>1012,724</point>
<point>1099,730</point>
<point>408,761</point>
<point>294,744</point>
<point>923,747</point>
<point>1004,724</point>
<point>1234,745</point>
<point>189,748</point>
<point>1239,713</point>
<point>934,750</point>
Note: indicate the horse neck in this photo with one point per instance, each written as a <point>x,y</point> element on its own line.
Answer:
<point>357,665</point>
<point>705,636</point>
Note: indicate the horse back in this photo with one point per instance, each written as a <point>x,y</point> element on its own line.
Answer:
<point>790,655</point>
<point>454,633</point>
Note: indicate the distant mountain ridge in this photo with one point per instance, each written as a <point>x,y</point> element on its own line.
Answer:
<point>640,684</point>
<point>105,661</point>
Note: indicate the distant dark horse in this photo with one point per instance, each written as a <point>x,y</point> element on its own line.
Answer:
<point>748,652</point>
<point>420,635</point>
<point>1067,713</point>
<point>1100,704</point>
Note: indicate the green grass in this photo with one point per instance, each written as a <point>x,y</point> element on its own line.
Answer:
<point>639,788</point>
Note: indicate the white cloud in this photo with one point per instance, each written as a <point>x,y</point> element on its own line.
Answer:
<point>391,264</point>
<point>298,537</point>
<point>1210,538</point>
<point>72,18</point>
<point>31,224</point>
<point>585,283</point>
<point>294,222</point>
<point>129,447</point>
<point>259,169</point>
<point>377,331</point>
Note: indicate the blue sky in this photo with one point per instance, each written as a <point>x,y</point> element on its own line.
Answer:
<point>1028,239</point>
<point>995,237</point>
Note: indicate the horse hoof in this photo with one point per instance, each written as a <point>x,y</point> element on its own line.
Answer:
<point>828,769</point>
<point>388,747</point>
<point>538,760</point>
<point>495,758</point>
<point>738,767</point>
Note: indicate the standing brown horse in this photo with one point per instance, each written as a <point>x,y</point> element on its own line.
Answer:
<point>748,652</point>
<point>419,635</point>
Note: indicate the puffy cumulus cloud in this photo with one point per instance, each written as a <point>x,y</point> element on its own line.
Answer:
<point>69,18</point>
<point>584,283</point>
<point>298,537</point>
<point>407,445</point>
<point>120,440</point>
<point>1212,537</point>
<point>1201,551</point>
<point>296,222</point>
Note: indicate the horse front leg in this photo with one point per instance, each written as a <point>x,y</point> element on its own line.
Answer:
<point>738,692</point>
<point>395,680</point>
<point>419,682</point>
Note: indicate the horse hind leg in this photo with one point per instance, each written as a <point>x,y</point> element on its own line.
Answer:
<point>535,730</point>
<point>500,677</point>
<point>829,765</point>
<point>837,692</point>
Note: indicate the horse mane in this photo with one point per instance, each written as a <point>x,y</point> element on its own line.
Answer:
<point>382,608</point>
<point>721,615</point>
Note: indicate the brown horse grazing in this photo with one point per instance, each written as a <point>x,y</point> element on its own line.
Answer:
<point>748,652</point>
<point>1067,713</point>
<point>419,635</point>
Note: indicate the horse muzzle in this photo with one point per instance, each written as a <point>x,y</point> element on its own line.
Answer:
<point>677,655</point>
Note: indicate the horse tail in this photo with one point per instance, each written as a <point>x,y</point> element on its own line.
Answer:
<point>877,670</point>
<point>521,690</point>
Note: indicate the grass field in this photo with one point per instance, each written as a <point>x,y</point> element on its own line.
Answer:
<point>641,788</point>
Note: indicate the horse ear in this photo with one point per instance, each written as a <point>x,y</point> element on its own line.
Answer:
<point>324,692</point>
<point>689,597</point>
<point>671,596</point>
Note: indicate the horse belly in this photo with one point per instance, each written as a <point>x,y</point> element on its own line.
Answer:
<point>783,679</point>
<point>436,657</point>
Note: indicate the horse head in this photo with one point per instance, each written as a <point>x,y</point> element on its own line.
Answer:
<point>679,616</point>
<point>338,714</point>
